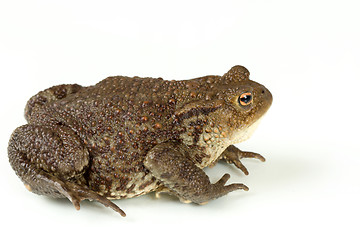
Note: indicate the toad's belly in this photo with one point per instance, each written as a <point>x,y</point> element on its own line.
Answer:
<point>138,184</point>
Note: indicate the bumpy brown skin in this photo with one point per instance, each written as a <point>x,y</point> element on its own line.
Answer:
<point>125,137</point>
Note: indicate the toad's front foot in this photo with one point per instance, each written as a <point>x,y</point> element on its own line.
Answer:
<point>233,155</point>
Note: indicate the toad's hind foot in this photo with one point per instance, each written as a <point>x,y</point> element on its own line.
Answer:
<point>76,193</point>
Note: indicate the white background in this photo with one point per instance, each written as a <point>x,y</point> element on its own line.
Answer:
<point>306,52</point>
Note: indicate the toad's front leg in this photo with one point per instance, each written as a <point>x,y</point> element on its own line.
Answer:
<point>171,163</point>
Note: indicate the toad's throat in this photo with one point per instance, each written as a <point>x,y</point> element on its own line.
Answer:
<point>244,133</point>
<point>215,144</point>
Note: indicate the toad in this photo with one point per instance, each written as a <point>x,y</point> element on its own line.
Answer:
<point>128,136</point>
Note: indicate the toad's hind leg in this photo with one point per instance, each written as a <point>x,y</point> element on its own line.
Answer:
<point>172,164</point>
<point>49,95</point>
<point>52,162</point>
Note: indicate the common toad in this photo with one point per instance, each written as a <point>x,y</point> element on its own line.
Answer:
<point>125,137</point>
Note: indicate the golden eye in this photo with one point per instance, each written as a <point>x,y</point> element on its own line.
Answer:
<point>245,99</point>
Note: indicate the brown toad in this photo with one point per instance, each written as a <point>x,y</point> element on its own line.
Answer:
<point>125,137</point>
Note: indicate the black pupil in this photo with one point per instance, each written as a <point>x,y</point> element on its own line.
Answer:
<point>245,99</point>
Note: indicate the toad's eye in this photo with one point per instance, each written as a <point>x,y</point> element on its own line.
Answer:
<point>245,99</point>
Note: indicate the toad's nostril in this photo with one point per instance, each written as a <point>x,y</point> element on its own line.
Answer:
<point>263,91</point>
